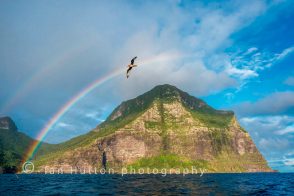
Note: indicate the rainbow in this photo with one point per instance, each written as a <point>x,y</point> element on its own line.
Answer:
<point>44,131</point>
<point>28,85</point>
<point>42,134</point>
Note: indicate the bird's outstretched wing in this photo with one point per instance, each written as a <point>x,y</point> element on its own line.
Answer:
<point>132,61</point>
<point>130,68</point>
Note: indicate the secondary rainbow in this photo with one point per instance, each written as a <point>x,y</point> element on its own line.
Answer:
<point>26,87</point>
<point>42,134</point>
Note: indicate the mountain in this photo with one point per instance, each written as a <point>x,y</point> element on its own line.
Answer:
<point>163,128</point>
<point>13,145</point>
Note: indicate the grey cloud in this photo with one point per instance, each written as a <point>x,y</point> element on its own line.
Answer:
<point>275,103</point>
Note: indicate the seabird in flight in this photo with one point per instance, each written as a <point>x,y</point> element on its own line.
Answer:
<point>130,66</point>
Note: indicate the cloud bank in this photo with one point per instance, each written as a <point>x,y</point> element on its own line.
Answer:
<point>275,103</point>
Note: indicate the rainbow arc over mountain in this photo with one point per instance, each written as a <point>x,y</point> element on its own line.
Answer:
<point>98,82</point>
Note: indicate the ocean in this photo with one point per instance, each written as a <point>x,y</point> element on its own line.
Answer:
<point>115,184</point>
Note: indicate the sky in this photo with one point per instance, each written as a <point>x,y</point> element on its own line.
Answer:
<point>235,55</point>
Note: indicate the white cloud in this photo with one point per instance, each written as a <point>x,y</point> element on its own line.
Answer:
<point>268,126</point>
<point>275,103</point>
<point>191,77</point>
<point>287,130</point>
<point>289,81</point>
<point>248,64</point>
<point>94,115</point>
<point>63,125</point>
<point>245,65</point>
<point>289,162</point>
<point>285,161</point>
<point>242,73</point>
<point>250,50</point>
<point>288,159</point>
<point>284,53</point>
<point>229,96</point>
<point>270,120</point>
<point>192,42</point>
<point>267,144</point>
<point>265,127</point>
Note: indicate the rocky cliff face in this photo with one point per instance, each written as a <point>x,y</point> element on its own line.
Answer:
<point>7,123</point>
<point>164,122</point>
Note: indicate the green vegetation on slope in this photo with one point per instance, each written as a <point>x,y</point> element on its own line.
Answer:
<point>168,161</point>
<point>131,109</point>
<point>231,162</point>
<point>213,119</point>
<point>13,146</point>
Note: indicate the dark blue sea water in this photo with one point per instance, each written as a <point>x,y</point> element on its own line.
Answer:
<point>208,184</point>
